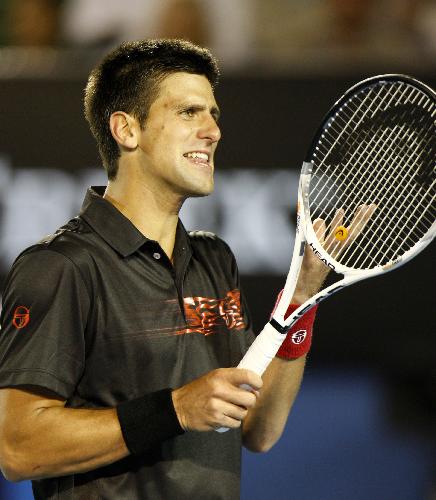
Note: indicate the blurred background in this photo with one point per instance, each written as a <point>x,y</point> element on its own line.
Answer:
<point>364,424</point>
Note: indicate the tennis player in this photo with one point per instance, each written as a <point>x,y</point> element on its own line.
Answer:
<point>121,331</point>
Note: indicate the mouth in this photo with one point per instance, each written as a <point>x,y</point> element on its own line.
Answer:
<point>198,158</point>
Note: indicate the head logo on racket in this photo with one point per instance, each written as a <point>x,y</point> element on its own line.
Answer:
<point>299,336</point>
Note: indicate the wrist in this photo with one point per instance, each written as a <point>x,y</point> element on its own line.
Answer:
<point>299,338</point>
<point>303,293</point>
<point>178,408</point>
<point>148,420</point>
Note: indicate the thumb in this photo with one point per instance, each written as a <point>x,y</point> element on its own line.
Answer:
<point>242,376</point>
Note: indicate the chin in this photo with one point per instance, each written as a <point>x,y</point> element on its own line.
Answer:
<point>198,192</point>
<point>202,188</point>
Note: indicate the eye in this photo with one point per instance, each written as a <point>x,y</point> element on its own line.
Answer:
<point>190,112</point>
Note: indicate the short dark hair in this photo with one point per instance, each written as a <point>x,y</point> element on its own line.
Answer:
<point>128,80</point>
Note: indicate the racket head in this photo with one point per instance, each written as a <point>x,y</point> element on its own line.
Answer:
<point>376,150</point>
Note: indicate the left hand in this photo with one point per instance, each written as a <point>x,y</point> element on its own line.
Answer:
<point>313,271</point>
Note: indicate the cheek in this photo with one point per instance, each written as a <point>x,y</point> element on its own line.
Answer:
<point>151,140</point>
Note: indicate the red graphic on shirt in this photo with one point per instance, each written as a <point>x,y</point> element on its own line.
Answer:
<point>203,314</point>
<point>21,317</point>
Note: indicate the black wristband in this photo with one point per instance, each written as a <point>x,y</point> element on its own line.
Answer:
<point>148,420</point>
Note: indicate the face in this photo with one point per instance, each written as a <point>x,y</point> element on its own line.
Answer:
<point>180,135</point>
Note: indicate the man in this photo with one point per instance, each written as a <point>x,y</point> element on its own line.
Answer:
<point>120,332</point>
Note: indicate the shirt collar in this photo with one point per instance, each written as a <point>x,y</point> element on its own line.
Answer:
<point>115,228</point>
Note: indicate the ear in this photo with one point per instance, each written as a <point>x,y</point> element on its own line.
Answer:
<point>124,129</point>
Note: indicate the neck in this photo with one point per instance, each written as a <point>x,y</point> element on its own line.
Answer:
<point>153,213</point>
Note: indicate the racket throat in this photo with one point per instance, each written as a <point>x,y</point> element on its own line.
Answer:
<point>283,329</point>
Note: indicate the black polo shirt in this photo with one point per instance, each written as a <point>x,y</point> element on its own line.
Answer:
<point>98,314</point>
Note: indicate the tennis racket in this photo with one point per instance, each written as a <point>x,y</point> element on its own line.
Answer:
<point>370,176</point>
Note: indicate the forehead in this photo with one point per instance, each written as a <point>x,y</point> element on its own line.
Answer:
<point>182,86</point>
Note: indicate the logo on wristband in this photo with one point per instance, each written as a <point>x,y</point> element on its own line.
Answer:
<point>299,336</point>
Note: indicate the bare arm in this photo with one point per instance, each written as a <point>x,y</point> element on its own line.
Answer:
<point>264,423</point>
<point>39,437</point>
<point>282,379</point>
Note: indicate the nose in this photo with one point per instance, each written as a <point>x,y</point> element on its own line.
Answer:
<point>210,129</point>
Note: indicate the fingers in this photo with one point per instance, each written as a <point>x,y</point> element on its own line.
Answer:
<point>217,399</point>
<point>320,229</point>
<point>331,243</point>
<point>229,415</point>
<point>242,376</point>
<point>313,271</point>
<point>340,237</point>
<point>236,386</point>
<point>235,392</point>
<point>360,220</point>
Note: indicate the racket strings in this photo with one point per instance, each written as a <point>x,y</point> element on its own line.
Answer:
<point>400,110</point>
<point>389,248</point>
<point>371,175</point>
<point>409,173</point>
<point>391,216</point>
<point>349,122</point>
<point>335,140</point>
<point>404,189</point>
<point>342,131</point>
<point>357,161</point>
<point>412,153</point>
<point>387,153</point>
<point>413,230</point>
<point>391,222</point>
<point>361,172</point>
<point>370,188</point>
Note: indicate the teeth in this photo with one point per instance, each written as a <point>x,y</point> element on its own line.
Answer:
<point>201,156</point>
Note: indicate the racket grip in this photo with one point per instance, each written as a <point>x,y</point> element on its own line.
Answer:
<point>260,354</point>
<point>262,350</point>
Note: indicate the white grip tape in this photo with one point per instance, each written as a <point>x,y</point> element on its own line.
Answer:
<point>262,350</point>
<point>260,354</point>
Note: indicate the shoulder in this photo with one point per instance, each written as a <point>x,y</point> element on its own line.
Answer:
<point>40,275</point>
<point>66,251</point>
<point>213,252</point>
<point>205,241</point>
<point>73,241</point>
<point>202,236</point>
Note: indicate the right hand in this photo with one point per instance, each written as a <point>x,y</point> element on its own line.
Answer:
<point>216,399</point>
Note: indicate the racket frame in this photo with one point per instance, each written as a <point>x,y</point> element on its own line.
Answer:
<point>373,80</point>
<point>269,340</point>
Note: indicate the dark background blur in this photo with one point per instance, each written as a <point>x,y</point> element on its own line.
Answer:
<point>364,423</point>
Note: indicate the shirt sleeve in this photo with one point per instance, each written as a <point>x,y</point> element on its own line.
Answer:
<point>43,322</point>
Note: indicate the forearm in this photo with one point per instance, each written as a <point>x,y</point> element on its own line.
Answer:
<point>264,424</point>
<point>40,438</point>
<point>57,441</point>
